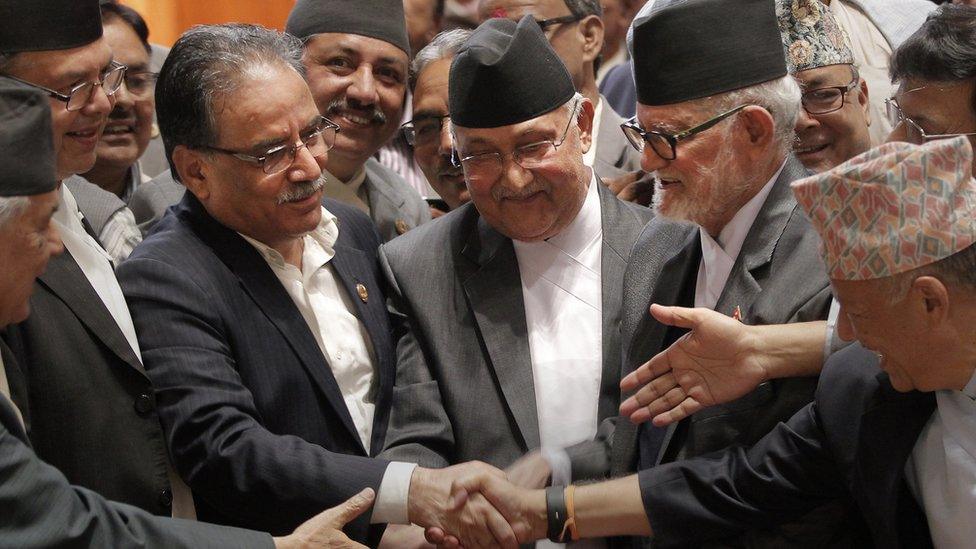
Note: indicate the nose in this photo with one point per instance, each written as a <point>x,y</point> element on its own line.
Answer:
<point>898,133</point>
<point>446,144</point>
<point>651,161</point>
<point>123,98</point>
<point>306,167</point>
<point>845,330</point>
<point>363,86</point>
<point>100,103</point>
<point>805,121</point>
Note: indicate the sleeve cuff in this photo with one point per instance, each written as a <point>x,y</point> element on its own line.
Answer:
<point>832,342</point>
<point>391,497</point>
<point>559,464</point>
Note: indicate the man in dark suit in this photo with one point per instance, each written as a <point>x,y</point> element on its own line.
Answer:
<point>261,316</point>
<point>92,412</point>
<point>41,509</point>
<point>893,423</point>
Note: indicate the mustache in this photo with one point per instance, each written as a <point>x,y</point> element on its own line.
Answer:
<point>371,112</point>
<point>300,191</point>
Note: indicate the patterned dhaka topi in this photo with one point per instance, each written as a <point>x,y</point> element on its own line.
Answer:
<point>811,36</point>
<point>892,209</point>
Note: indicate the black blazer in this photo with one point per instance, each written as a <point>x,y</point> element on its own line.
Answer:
<point>90,410</point>
<point>254,419</point>
<point>853,440</point>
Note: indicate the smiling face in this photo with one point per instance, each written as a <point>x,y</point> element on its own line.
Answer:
<point>531,204</point>
<point>75,133</point>
<point>433,151</point>
<point>27,242</point>
<point>828,139</point>
<point>360,83</point>
<point>129,126</point>
<point>272,107</point>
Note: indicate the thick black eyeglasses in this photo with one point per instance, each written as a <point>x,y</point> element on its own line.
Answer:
<point>546,23</point>
<point>80,95</point>
<point>278,159</point>
<point>663,144</point>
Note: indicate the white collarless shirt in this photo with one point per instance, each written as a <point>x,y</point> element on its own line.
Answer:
<point>718,256</point>
<point>941,471</point>
<point>328,311</point>
<point>562,291</point>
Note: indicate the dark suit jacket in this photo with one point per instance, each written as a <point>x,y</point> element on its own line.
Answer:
<point>253,416</point>
<point>464,386</point>
<point>853,440</point>
<point>91,409</point>
<point>41,509</point>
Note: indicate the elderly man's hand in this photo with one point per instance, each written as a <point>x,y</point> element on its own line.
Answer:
<point>476,524</point>
<point>713,364</point>
<point>325,529</point>
<point>523,509</point>
<point>637,187</point>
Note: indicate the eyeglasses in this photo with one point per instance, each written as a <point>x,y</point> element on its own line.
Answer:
<point>825,100</point>
<point>80,95</point>
<point>663,144</point>
<point>489,165</point>
<point>278,159</point>
<point>425,130</point>
<point>546,23</point>
<point>140,83</point>
<point>913,131</point>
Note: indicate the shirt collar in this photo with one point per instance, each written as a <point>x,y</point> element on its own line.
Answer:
<point>585,227</point>
<point>323,237</point>
<point>734,234</point>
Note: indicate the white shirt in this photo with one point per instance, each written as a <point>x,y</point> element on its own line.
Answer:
<point>941,471</point>
<point>96,264</point>
<point>589,157</point>
<point>344,341</point>
<point>718,257</point>
<point>328,311</point>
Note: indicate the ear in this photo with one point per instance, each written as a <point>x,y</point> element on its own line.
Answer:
<point>931,299</point>
<point>759,126</point>
<point>191,167</point>
<point>862,100</point>
<point>585,122</point>
<point>591,29</point>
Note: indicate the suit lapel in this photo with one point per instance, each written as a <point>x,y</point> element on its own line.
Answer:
<point>264,288</point>
<point>18,396</point>
<point>742,288</point>
<point>65,279</point>
<point>887,435</point>
<point>617,239</point>
<point>493,286</point>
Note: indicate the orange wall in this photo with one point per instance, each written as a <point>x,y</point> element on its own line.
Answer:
<point>168,19</point>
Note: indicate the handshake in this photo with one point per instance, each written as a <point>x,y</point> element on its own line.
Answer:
<point>475,505</point>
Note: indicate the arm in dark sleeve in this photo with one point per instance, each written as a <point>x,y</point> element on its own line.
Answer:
<point>420,429</point>
<point>787,473</point>
<point>40,509</point>
<point>215,433</point>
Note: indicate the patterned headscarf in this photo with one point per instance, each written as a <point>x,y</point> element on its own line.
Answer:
<point>892,209</point>
<point>811,36</point>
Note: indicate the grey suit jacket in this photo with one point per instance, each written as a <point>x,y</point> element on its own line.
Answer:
<point>151,199</point>
<point>394,206</point>
<point>614,155</point>
<point>778,277</point>
<point>464,387</point>
<point>40,509</point>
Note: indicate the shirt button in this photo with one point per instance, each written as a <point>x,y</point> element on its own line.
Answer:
<point>144,404</point>
<point>166,498</point>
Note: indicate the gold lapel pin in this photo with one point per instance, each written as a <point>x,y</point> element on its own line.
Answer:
<point>361,290</point>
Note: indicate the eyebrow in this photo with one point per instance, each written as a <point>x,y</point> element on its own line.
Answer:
<point>429,113</point>
<point>263,146</point>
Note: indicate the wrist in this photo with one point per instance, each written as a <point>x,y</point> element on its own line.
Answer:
<point>753,344</point>
<point>536,514</point>
<point>419,497</point>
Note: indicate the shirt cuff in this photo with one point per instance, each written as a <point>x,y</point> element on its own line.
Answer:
<point>559,464</point>
<point>832,342</point>
<point>391,497</point>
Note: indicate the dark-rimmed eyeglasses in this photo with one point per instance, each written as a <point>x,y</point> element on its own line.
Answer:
<point>140,83</point>
<point>424,130</point>
<point>489,165</point>
<point>318,140</point>
<point>664,144</point>
<point>552,21</point>
<point>913,131</point>
<point>80,95</point>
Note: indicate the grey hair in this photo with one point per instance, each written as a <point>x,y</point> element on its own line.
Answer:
<point>445,45</point>
<point>207,63</point>
<point>781,97</point>
<point>11,207</point>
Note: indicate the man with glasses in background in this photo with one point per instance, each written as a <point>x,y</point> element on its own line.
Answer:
<point>89,403</point>
<point>512,301</point>
<point>716,124</point>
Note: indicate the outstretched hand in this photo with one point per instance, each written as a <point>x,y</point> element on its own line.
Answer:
<point>325,529</point>
<point>712,364</point>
